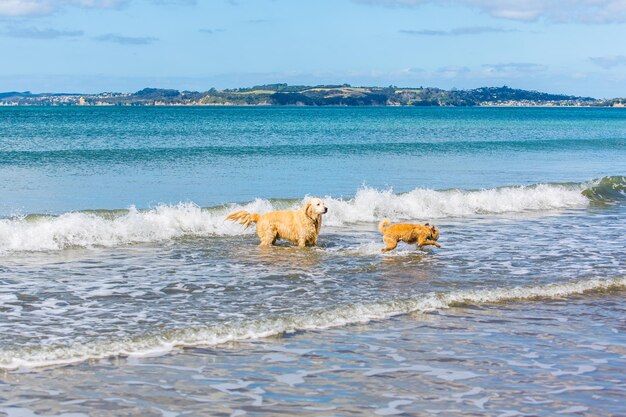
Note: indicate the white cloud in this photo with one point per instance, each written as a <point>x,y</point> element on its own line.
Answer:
<point>608,62</point>
<point>45,7</point>
<point>126,40</point>
<point>473,30</point>
<point>24,7</point>
<point>37,33</point>
<point>582,11</point>
<point>512,69</point>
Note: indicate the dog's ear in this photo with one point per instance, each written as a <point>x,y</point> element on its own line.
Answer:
<point>427,224</point>
<point>308,209</point>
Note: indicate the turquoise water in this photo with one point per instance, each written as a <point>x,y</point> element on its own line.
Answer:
<point>116,264</point>
<point>58,159</point>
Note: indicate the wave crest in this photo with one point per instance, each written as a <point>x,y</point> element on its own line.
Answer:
<point>607,189</point>
<point>166,222</point>
<point>339,316</point>
<point>107,229</point>
<point>422,204</point>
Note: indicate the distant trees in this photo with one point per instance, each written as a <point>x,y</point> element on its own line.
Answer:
<point>282,94</point>
<point>156,94</point>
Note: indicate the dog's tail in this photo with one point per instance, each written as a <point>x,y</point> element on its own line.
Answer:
<point>383,225</point>
<point>243,217</point>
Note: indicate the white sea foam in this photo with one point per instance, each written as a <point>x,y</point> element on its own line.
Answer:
<point>165,222</point>
<point>339,316</point>
<point>87,229</point>
<point>370,204</point>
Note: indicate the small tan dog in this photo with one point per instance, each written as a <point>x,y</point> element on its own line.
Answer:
<point>298,226</point>
<point>406,232</point>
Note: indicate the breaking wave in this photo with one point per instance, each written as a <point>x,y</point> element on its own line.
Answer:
<point>165,342</point>
<point>108,228</point>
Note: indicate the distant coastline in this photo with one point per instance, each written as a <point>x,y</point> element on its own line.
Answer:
<point>321,95</point>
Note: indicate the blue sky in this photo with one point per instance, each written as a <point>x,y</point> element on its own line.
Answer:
<point>573,47</point>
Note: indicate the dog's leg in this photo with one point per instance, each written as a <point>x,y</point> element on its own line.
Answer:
<point>390,242</point>
<point>302,239</point>
<point>425,242</point>
<point>267,237</point>
<point>266,241</point>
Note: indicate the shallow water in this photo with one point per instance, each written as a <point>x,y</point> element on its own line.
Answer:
<point>113,247</point>
<point>92,302</point>
<point>537,358</point>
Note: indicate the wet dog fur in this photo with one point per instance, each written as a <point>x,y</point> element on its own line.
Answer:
<point>409,233</point>
<point>297,226</point>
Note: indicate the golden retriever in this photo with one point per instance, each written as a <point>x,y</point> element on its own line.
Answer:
<point>297,226</point>
<point>407,232</point>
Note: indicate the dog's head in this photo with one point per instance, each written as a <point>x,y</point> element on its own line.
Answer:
<point>315,207</point>
<point>434,231</point>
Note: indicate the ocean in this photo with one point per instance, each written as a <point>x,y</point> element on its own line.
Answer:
<point>123,291</point>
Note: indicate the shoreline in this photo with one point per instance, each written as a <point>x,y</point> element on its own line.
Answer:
<point>322,95</point>
<point>542,106</point>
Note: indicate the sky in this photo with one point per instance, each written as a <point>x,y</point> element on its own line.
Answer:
<point>573,47</point>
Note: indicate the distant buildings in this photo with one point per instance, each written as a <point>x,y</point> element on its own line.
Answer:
<point>322,95</point>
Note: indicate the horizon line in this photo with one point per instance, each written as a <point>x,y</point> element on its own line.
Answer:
<point>344,85</point>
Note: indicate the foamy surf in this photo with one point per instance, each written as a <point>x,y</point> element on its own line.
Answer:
<point>371,204</point>
<point>166,222</point>
<point>89,229</point>
<point>165,342</point>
